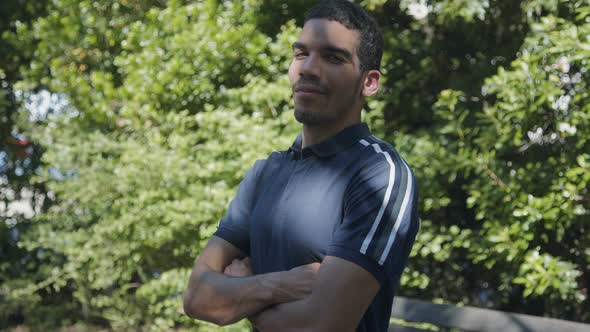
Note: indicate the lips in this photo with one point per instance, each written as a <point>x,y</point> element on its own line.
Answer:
<point>308,89</point>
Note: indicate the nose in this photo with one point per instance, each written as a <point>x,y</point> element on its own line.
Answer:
<point>310,67</point>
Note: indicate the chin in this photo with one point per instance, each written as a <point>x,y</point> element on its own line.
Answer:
<point>311,117</point>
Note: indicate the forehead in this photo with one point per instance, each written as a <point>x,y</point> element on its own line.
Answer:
<point>319,33</point>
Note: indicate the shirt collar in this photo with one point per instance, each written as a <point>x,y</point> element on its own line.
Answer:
<point>339,142</point>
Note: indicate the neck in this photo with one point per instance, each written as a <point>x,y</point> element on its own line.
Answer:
<point>314,134</point>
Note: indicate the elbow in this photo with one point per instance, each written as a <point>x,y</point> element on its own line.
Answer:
<point>189,308</point>
<point>197,307</point>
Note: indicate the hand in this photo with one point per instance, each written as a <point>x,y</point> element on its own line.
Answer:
<point>297,283</point>
<point>239,268</point>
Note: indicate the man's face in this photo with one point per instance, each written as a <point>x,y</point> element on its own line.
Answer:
<point>325,73</point>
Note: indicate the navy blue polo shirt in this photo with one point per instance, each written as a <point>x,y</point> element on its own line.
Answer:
<point>352,196</point>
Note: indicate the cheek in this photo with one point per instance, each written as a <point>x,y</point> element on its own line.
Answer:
<point>293,72</point>
<point>346,84</point>
<point>346,87</point>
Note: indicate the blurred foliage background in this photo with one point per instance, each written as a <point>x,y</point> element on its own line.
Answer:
<point>127,125</point>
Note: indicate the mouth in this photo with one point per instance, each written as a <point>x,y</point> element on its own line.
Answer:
<point>308,90</point>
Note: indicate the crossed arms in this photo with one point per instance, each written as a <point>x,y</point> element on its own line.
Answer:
<point>331,296</point>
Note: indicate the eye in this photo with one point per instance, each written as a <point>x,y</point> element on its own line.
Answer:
<point>333,58</point>
<point>299,54</point>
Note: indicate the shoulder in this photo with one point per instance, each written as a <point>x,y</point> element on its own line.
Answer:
<point>273,157</point>
<point>263,167</point>
<point>380,157</point>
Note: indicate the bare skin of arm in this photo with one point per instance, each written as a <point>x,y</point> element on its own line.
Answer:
<point>341,294</point>
<point>224,299</point>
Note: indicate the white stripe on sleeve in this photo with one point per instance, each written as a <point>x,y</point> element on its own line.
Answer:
<point>377,220</point>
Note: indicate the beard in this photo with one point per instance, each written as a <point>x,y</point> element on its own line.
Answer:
<point>314,117</point>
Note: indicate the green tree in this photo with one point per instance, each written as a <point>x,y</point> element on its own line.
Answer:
<point>168,104</point>
<point>504,163</point>
<point>19,159</point>
<point>144,158</point>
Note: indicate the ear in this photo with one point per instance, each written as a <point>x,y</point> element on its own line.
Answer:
<point>371,83</point>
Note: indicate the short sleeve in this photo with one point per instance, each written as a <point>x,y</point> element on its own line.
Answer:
<point>380,219</point>
<point>234,227</point>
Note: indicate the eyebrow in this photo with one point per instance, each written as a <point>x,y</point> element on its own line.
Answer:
<point>328,48</point>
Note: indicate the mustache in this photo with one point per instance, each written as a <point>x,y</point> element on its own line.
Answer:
<point>309,85</point>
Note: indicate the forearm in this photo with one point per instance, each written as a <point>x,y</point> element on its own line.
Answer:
<point>288,317</point>
<point>223,299</point>
<point>298,316</point>
<point>339,298</point>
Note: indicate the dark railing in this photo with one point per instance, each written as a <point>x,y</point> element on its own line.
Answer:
<point>474,319</point>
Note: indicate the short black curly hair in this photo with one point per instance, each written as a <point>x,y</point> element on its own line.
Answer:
<point>354,17</point>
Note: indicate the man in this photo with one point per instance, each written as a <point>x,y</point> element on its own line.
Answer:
<point>317,236</point>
